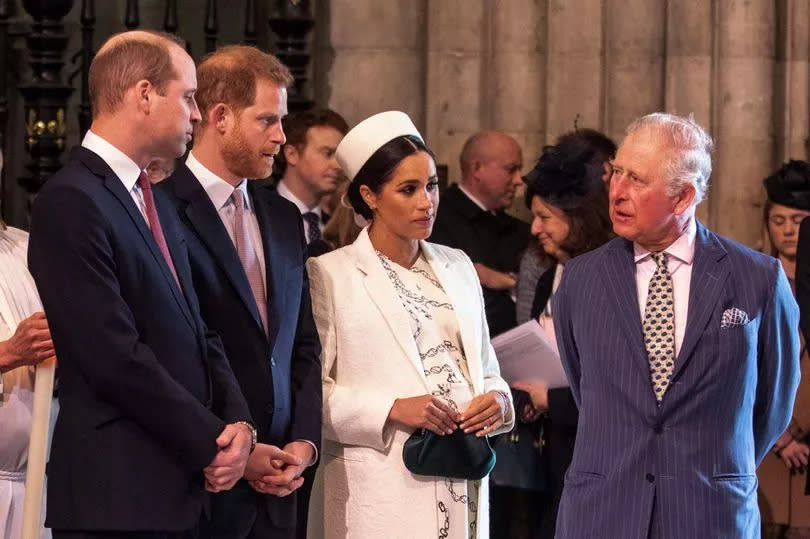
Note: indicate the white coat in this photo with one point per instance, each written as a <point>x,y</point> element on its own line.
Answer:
<point>362,488</point>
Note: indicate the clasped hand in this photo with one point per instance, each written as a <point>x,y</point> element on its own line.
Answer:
<point>484,415</point>
<point>276,471</point>
<point>229,463</point>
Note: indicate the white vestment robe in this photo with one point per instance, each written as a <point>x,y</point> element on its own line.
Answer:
<point>18,301</point>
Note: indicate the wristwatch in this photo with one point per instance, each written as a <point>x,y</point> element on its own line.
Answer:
<point>252,433</point>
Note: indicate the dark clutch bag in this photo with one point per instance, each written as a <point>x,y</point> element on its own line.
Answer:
<point>457,455</point>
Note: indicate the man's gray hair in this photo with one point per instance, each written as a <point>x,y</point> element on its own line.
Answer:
<point>691,145</point>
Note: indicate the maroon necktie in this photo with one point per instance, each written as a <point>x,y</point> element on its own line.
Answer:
<point>154,222</point>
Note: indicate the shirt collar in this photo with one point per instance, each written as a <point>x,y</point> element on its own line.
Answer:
<point>682,248</point>
<point>125,168</point>
<point>217,189</point>
<point>285,192</point>
<point>475,200</point>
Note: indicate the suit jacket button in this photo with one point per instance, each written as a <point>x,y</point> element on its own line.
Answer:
<point>272,361</point>
<point>650,478</point>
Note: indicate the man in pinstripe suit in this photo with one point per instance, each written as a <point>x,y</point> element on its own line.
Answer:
<point>682,353</point>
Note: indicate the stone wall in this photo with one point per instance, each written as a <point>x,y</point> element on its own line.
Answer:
<point>533,67</point>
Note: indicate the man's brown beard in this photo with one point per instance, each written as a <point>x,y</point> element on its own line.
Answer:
<point>240,160</point>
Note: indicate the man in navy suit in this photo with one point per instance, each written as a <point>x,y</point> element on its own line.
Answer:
<point>151,413</point>
<point>246,245</point>
<point>682,354</point>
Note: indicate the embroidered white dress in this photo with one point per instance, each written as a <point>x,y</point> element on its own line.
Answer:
<point>18,301</point>
<point>436,332</point>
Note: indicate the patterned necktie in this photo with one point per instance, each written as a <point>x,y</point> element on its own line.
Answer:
<point>659,326</point>
<point>247,254</point>
<point>154,222</point>
<point>314,226</point>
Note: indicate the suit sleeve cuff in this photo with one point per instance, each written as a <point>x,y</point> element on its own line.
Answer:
<point>314,458</point>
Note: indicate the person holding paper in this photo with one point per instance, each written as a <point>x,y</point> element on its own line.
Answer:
<point>24,342</point>
<point>568,199</point>
<point>682,353</point>
<point>405,347</point>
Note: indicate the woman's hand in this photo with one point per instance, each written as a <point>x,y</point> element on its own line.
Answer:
<point>485,414</point>
<point>425,412</point>
<point>494,279</point>
<point>538,392</point>
<point>794,455</point>
<point>30,344</point>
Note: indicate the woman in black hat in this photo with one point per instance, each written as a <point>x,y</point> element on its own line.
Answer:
<point>567,195</point>
<point>782,475</point>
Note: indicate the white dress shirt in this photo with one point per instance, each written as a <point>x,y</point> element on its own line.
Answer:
<point>285,192</point>
<point>125,168</point>
<point>220,191</point>
<point>681,254</point>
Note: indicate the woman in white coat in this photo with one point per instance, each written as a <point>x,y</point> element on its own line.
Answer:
<point>405,346</point>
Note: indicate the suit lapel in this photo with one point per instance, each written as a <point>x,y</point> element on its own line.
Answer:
<point>448,273</point>
<point>620,277</point>
<point>276,258</point>
<point>385,297</point>
<point>179,259</point>
<point>709,274</point>
<point>116,187</point>
<point>207,223</point>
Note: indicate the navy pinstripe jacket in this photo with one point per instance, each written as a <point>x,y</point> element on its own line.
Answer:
<point>685,468</point>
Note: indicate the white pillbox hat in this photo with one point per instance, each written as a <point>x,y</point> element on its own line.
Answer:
<point>369,136</point>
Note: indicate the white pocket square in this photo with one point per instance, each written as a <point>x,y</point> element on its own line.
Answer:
<point>733,317</point>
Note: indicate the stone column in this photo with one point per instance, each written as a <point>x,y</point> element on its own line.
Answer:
<point>743,110</point>
<point>515,83</point>
<point>574,68</point>
<point>635,35</point>
<point>456,91</point>
<point>379,59</point>
<point>791,97</point>
<point>688,73</point>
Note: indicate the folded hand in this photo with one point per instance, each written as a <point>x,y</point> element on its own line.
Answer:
<point>229,463</point>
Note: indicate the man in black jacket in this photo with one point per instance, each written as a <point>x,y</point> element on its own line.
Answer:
<point>471,217</point>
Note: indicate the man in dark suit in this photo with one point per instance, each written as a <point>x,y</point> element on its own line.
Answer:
<point>246,246</point>
<point>471,217</point>
<point>309,169</point>
<point>681,350</point>
<point>151,414</point>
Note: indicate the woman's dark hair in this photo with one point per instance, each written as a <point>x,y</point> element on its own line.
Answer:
<point>378,169</point>
<point>568,176</point>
